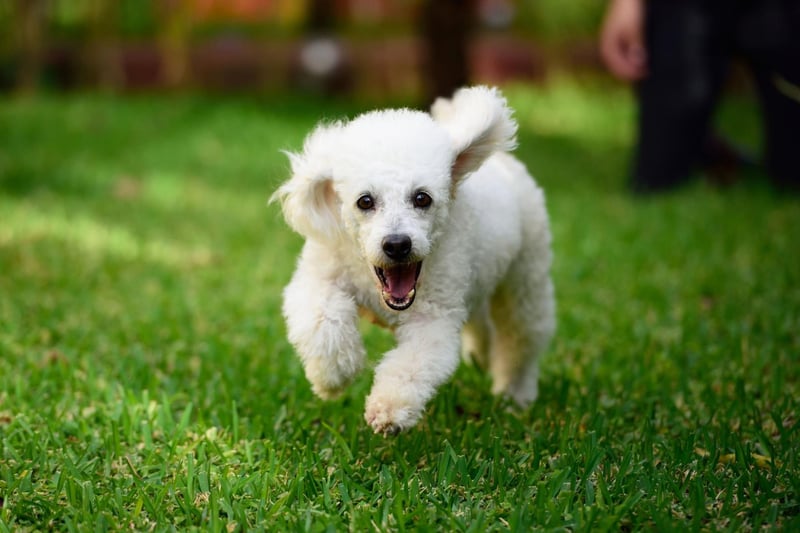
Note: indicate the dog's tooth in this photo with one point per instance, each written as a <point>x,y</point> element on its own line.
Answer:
<point>411,294</point>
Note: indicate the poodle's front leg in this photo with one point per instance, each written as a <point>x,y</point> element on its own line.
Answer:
<point>427,355</point>
<point>322,323</point>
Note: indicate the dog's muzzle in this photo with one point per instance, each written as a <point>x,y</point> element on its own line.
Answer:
<point>398,278</point>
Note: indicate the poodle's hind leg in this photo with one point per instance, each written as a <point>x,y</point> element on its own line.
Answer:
<point>523,313</point>
<point>476,337</point>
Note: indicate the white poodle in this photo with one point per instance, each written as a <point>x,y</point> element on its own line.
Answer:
<point>428,225</point>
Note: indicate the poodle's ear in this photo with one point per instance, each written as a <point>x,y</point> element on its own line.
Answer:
<point>479,121</point>
<point>309,202</point>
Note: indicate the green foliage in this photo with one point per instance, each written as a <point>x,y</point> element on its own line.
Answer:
<point>137,18</point>
<point>146,382</point>
<point>557,20</point>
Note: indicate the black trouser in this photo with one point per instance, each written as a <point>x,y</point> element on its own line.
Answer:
<point>689,45</point>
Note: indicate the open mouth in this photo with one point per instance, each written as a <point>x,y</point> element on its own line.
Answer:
<point>399,284</point>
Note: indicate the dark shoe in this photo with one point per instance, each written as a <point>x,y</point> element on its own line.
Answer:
<point>723,162</point>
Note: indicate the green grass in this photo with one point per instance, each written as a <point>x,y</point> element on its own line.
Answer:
<point>146,382</point>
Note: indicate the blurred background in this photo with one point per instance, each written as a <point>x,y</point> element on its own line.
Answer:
<point>381,49</point>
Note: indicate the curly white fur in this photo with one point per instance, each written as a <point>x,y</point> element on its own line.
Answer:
<point>395,192</point>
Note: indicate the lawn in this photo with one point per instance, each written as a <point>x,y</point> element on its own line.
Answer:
<point>146,382</point>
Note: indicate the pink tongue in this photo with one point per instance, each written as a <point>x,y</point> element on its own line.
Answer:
<point>400,280</point>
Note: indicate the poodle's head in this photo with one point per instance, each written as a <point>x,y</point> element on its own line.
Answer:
<point>385,181</point>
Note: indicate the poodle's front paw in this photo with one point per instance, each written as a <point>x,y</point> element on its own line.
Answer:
<point>327,392</point>
<point>389,415</point>
<point>328,381</point>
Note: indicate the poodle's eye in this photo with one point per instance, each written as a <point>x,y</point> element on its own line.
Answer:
<point>365,202</point>
<point>422,200</point>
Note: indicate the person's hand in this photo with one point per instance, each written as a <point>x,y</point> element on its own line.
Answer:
<point>622,39</point>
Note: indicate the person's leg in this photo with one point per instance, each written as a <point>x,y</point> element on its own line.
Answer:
<point>687,61</point>
<point>768,37</point>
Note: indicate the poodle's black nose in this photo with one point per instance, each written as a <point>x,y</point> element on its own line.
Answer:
<point>397,247</point>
